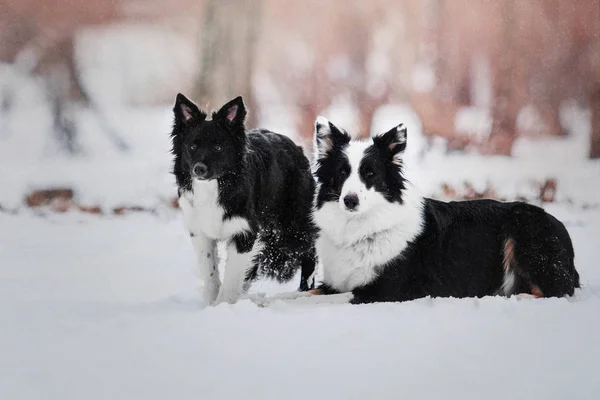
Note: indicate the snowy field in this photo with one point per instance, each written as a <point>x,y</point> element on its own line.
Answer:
<point>108,308</point>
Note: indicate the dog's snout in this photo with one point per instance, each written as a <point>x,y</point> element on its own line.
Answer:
<point>351,201</point>
<point>200,170</point>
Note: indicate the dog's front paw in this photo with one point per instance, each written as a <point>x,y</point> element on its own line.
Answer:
<point>230,298</point>
<point>210,293</point>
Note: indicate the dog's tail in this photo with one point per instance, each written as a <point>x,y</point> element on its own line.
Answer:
<point>538,254</point>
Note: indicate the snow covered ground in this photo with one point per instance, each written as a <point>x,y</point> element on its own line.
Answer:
<point>108,308</point>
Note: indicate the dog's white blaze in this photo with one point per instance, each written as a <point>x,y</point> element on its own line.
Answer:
<point>367,198</point>
<point>355,152</point>
<point>352,245</point>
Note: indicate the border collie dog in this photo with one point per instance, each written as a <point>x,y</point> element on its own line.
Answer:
<point>381,241</point>
<point>253,190</point>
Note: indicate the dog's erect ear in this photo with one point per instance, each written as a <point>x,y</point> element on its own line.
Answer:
<point>327,137</point>
<point>185,110</point>
<point>393,142</point>
<point>234,112</point>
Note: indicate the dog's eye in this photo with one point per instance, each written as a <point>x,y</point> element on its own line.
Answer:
<point>218,148</point>
<point>193,147</point>
<point>368,173</point>
<point>344,172</point>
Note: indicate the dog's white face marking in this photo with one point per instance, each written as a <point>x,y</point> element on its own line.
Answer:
<point>354,185</point>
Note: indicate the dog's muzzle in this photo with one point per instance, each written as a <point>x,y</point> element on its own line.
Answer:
<point>351,201</point>
<point>200,171</point>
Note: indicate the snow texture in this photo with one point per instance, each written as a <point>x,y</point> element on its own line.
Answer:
<point>101,308</point>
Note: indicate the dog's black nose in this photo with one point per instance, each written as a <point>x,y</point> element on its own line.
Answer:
<point>200,170</point>
<point>351,201</point>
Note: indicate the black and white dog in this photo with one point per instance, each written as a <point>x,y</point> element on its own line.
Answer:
<point>382,241</point>
<point>253,190</point>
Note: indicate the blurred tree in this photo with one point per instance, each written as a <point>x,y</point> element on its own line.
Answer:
<point>446,50</point>
<point>537,52</point>
<point>368,91</point>
<point>228,41</point>
<point>303,47</point>
<point>595,136</point>
<point>595,96</point>
<point>452,58</point>
<point>38,37</point>
<point>508,84</point>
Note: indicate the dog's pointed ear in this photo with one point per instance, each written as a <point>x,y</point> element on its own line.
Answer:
<point>327,137</point>
<point>234,112</point>
<point>393,142</point>
<point>185,110</point>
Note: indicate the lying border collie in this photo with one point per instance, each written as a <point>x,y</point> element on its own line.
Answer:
<point>253,190</point>
<point>383,242</point>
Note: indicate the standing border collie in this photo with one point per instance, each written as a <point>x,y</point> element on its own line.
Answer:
<point>253,190</point>
<point>383,242</point>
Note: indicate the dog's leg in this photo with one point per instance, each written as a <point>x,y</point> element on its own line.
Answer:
<point>307,276</point>
<point>206,254</point>
<point>241,253</point>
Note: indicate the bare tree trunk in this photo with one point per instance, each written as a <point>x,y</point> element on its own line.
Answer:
<point>228,41</point>
<point>595,94</point>
<point>452,62</point>
<point>312,95</point>
<point>595,136</point>
<point>359,30</point>
<point>550,112</point>
<point>508,87</point>
<point>368,107</point>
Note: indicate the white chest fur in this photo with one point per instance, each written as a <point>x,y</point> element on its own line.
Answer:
<point>353,247</point>
<point>204,215</point>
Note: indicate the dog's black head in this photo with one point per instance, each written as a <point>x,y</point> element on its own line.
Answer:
<point>207,149</point>
<point>359,175</point>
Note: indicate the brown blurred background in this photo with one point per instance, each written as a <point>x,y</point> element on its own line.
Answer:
<point>500,57</point>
